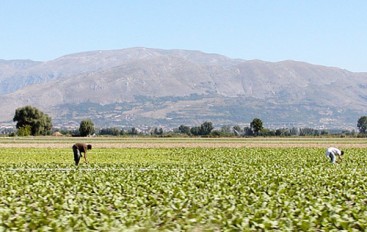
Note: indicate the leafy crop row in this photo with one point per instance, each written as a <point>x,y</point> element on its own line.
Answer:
<point>226,189</point>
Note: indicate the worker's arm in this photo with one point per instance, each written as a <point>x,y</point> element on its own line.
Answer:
<point>85,157</point>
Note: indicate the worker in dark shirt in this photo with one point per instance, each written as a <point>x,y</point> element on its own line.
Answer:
<point>80,148</point>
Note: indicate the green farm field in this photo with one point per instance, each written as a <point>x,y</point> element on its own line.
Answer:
<point>137,184</point>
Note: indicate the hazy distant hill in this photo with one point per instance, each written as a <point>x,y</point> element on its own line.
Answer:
<point>141,86</point>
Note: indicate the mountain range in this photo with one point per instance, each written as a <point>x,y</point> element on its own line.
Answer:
<point>154,87</point>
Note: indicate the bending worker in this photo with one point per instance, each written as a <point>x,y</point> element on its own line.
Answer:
<point>334,153</point>
<point>80,148</point>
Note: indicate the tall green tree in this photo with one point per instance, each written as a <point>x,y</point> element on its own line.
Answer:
<point>157,131</point>
<point>30,117</point>
<point>362,124</point>
<point>184,129</point>
<point>256,125</point>
<point>110,131</point>
<point>206,128</point>
<point>86,127</point>
<point>133,131</point>
<point>195,130</point>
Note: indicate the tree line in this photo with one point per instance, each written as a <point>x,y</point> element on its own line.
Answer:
<point>32,121</point>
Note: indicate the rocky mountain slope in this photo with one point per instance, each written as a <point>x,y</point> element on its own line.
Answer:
<point>152,87</point>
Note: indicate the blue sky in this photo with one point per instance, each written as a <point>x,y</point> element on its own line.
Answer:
<point>325,32</point>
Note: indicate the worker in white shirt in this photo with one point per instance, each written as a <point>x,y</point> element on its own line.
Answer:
<point>333,154</point>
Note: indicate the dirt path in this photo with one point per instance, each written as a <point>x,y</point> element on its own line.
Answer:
<point>217,144</point>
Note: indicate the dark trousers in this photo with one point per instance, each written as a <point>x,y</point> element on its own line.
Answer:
<point>77,155</point>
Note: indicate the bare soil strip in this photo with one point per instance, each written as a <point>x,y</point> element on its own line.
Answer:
<point>185,143</point>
